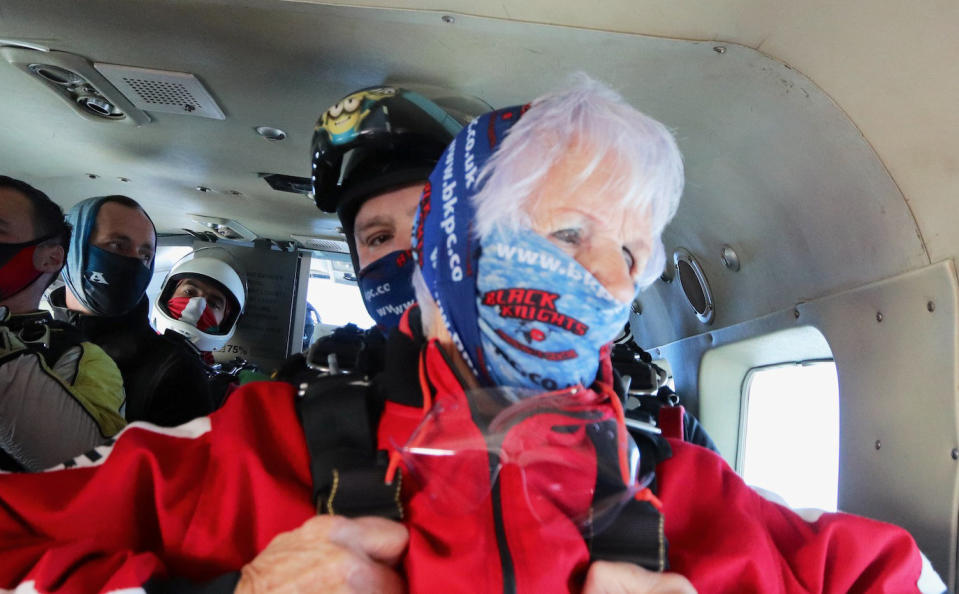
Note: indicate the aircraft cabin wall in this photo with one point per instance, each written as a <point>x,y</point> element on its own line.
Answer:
<point>794,178</point>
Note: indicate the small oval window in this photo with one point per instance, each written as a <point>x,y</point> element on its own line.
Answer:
<point>694,284</point>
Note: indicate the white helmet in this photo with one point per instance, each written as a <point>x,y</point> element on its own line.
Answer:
<point>217,267</point>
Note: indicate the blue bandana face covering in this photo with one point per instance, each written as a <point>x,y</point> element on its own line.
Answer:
<point>386,288</point>
<point>520,310</point>
<point>543,317</point>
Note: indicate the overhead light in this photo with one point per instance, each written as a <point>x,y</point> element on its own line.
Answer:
<point>273,134</point>
<point>99,106</point>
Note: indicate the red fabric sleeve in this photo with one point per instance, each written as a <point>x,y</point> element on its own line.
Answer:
<point>723,536</point>
<point>161,502</point>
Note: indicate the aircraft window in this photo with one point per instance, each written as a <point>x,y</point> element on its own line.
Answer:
<point>332,290</point>
<point>791,432</point>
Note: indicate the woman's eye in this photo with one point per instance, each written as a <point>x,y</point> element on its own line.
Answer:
<point>570,236</point>
<point>628,257</point>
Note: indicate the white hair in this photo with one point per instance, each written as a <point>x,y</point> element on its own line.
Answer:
<point>428,307</point>
<point>646,163</point>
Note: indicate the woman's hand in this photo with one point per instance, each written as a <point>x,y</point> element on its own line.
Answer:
<point>330,554</point>
<point>607,577</point>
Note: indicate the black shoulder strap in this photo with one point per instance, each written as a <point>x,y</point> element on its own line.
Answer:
<point>348,472</point>
<point>636,534</point>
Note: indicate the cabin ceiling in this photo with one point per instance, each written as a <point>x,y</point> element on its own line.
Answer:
<point>821,144</point>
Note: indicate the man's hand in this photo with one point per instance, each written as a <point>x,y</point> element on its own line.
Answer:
<point>606,577</point>
<point>330,554</point>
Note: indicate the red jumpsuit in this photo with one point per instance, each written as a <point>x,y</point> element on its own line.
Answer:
<point>201,500</point>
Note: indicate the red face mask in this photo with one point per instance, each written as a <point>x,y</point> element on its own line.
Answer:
<point>193,311</point>
<point>16,266</point>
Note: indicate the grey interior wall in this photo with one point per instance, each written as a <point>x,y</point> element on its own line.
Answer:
<point>895,347</point>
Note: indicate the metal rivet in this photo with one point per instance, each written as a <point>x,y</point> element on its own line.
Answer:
<point>879,316</point>
<point>235,193</point>
<point>730,258</point>
<point>878,444</point>
<point>203,189</point>
<point>720,49</point>
<point>448,19</point>
<point>657,353</point>
<point>124,179</point>
<point>796,313</point>
<point>931,306</point>
<point>93,176</point>
<point>955,453</point>
<point>709,338</point>
<point>270,133</point>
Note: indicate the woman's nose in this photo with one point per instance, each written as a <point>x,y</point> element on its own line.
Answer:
<point>609,267</point>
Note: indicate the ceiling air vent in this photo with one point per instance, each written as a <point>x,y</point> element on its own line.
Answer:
<point>288,183</point>
<point>322,244</point>
<point>162,90</point>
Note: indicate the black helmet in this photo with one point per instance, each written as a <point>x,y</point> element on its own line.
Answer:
<point>380,139</point>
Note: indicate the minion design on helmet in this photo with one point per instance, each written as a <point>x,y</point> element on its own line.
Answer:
<point>343,120</point>
<point>379,139</point>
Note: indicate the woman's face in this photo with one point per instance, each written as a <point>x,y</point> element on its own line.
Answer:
<point>613,243</point>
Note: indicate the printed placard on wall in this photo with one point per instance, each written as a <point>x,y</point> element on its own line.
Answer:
<point>263,333</point>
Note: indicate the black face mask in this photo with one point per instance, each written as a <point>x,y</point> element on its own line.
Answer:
<point>16,266</point>
<point>114,284</point>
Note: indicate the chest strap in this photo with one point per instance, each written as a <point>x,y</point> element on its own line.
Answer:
<point>347,470</point>
<point>636,534</point>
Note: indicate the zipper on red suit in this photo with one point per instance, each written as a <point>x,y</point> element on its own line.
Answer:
<point>507,569</point>
<point>506,560</point>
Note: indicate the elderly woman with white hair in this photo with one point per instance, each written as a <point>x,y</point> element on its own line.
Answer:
<point>504,449</point>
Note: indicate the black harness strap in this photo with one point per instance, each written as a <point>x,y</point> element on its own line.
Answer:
<point>346,468</point>
<point>636,533</point>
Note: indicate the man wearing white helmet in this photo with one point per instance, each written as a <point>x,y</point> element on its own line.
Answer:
<point>201,300</point>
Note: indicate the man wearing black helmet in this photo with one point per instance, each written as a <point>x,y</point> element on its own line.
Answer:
<point>372,152</point>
